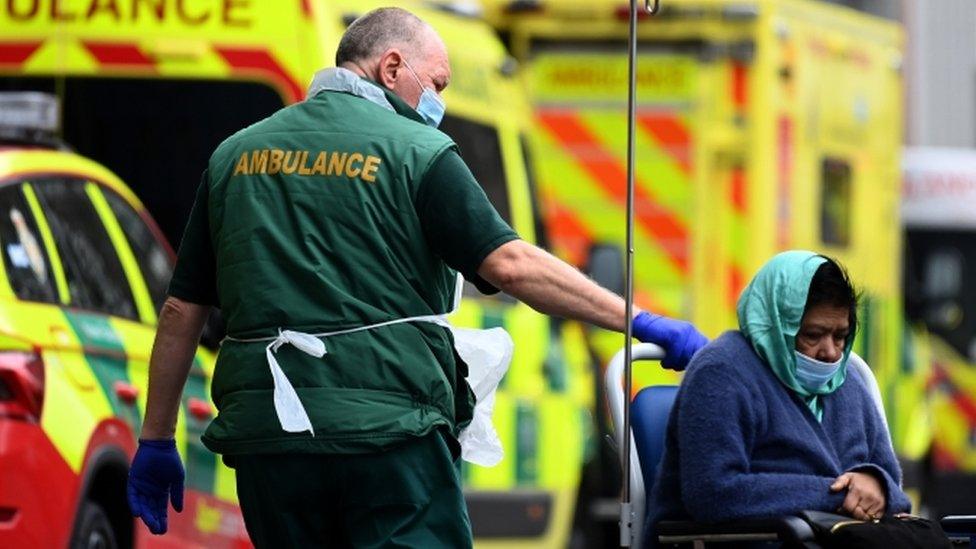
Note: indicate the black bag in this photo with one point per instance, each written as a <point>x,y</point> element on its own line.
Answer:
<point>907,532</point>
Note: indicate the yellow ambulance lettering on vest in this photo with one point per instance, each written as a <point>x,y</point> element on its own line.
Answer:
<point>306,163</point>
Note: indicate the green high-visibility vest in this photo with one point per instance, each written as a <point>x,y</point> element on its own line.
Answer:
<point>314,229</point>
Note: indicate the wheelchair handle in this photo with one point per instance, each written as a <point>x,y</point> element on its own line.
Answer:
<point>632,508</point>
<point>614,379</point>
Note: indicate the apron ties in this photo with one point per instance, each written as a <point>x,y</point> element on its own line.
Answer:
<point>487,353</point>
<point>291,412</point>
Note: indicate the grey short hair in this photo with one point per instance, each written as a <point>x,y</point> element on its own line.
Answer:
<point>377,31</point>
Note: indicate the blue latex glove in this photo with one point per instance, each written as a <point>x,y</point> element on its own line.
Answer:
<point>679,339</point>
<point>156,475</point>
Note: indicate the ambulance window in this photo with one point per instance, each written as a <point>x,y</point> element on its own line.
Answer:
<point>24,258</point>
<point>153,259</point>
<point>835,206</point>
<point>482,153</point>
<point>943,274</point>
<point>96,280</point>
<point>939,265</point>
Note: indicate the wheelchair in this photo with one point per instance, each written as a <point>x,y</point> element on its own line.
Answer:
<point>649,411</point>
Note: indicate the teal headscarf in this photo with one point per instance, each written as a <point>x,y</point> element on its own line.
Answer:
<point>770,310</point>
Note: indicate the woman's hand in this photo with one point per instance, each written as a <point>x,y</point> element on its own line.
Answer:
<point>865,497</point>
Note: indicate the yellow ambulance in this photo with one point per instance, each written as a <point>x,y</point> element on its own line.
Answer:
<point>84,271</point>
<point>150,88</point>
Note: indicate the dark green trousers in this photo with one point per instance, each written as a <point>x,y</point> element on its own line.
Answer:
<point>409,496</point>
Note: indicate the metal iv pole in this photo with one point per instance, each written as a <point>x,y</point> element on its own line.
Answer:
<point>626,512</point>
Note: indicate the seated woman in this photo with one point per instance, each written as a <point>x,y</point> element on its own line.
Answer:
<point>769,421</point>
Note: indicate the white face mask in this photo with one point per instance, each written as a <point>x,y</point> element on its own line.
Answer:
<point>430,107</point>
<point>813,374</point>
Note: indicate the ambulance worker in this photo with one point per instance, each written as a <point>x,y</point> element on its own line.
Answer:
<point>343,216</point>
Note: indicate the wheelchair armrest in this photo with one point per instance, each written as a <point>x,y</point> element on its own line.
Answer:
<point>786,529</point>
<point>959,524</point>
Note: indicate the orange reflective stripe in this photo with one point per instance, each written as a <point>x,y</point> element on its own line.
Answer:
<point>567,231</point>
<point>672,135</point>
<point>644,299</point>
<point>738,190</point>
<point>16,53</point>
<point>115,54</point>
<point>735,283</point>
<point>739,84</point>
<point>965,403</point>
<point>942,458</point>
<point>737,197</point>
<point>604,168</point>
<point>264,64</point>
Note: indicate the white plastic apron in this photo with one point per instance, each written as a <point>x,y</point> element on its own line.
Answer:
<point>486,352</point>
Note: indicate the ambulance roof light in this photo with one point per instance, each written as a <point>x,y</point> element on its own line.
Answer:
<point>524,6</point>
<point>29,117</point>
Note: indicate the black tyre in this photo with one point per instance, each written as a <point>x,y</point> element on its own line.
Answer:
<point>93,530</point>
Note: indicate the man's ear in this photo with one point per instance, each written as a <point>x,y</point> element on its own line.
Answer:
<point>390,65</point>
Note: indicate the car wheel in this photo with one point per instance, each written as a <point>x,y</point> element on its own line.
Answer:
<point>93,530</point>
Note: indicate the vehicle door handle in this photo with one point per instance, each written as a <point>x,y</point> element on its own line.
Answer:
<point>199,408</point>
<point>126,392</point>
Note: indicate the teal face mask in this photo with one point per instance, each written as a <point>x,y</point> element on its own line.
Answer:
<point>814,374</point>
<point>431,107</point>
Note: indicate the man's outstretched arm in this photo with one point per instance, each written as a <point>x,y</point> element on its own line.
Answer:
<point>551,286</point>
